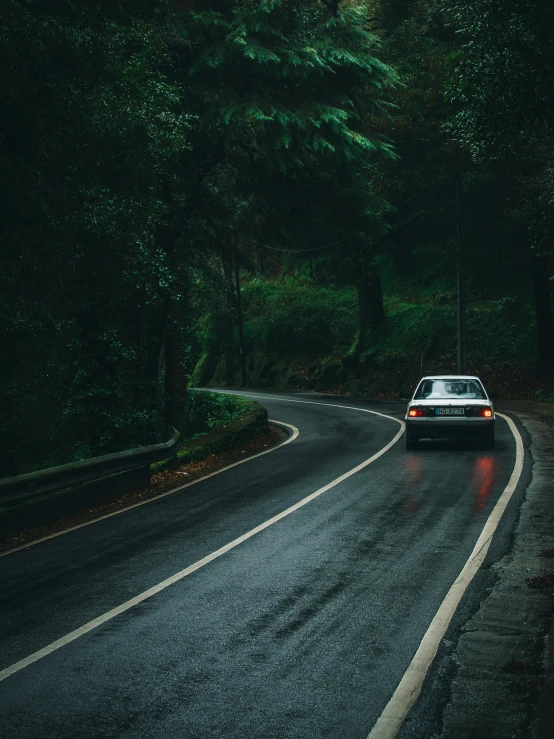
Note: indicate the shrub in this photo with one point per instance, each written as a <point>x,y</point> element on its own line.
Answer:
<point>207,410</point>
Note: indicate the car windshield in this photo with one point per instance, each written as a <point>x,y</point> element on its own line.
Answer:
<point>446,388</point>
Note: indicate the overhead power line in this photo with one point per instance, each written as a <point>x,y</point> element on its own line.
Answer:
<point>297,251</point>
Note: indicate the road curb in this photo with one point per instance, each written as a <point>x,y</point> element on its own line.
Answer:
<point>525,406</point>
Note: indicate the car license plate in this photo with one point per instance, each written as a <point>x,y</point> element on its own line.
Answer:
<point>449,411</point>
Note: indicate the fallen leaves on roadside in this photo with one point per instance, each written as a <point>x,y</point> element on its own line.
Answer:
<point>161,482</point>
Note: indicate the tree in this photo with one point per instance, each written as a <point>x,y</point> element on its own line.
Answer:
<point>420,183</point>
<point>90,129</point>
<point>283,94</point>
<point>503,89</point>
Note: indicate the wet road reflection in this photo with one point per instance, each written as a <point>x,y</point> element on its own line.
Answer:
<point>484,472</point>
<point>414,468</point>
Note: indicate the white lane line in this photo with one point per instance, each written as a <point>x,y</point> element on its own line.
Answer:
<point>390,721</point>
<point>312,402</point>
<point>295,433</point>
<point>45,651</point>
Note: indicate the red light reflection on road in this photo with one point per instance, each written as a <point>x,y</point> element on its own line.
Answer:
<point>414,467</point>
<point>484,470</point>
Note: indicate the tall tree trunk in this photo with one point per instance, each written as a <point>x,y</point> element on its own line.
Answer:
<point>240,325</point>
<point>229,322</point>
<point>176,369</point>
<point>175,365</point>
<point>174,357</point>
<point>371,311</point>
<point>404,259</point>
<point>543,309</point>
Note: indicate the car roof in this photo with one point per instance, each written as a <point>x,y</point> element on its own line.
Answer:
<point>450,377</point>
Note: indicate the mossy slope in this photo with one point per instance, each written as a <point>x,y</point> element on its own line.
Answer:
<point>300,337</point>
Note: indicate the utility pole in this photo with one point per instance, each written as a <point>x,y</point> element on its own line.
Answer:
<point>241,332</point>
<point>462,336</point>
<point>229,321</point>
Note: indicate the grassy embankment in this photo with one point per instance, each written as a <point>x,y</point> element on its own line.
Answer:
<point>301,336</point>
<point>216,423</point>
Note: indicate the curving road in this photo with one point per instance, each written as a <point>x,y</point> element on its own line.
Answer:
<point>302,629</point>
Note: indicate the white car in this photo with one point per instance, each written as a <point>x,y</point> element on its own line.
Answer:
<point>450,406</point>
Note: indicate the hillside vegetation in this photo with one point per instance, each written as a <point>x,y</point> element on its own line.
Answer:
<point>303,337</point>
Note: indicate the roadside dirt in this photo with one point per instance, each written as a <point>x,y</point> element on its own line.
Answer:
<point>160,483</point>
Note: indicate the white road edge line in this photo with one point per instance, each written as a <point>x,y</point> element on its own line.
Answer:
<point>390,721</point>
<point>295,433</point>
<point>198,479</point>
<point>73,635</point>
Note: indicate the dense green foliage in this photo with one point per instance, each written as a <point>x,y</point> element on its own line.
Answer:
<point>150,149</point>
<point>300,337</point>
<point>90,128</point>
<point>225,422</point>
<point>207,410</point>
<point>504,116</point>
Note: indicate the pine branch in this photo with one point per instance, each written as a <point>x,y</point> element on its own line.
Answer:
<point>333,7</point>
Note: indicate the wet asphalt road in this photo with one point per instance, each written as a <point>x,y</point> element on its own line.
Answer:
<point>304,630</point>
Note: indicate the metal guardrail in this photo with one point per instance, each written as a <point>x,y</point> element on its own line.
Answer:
<point>20,488</point>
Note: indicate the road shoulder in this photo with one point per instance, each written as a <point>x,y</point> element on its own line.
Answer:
<point>494,674</point>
